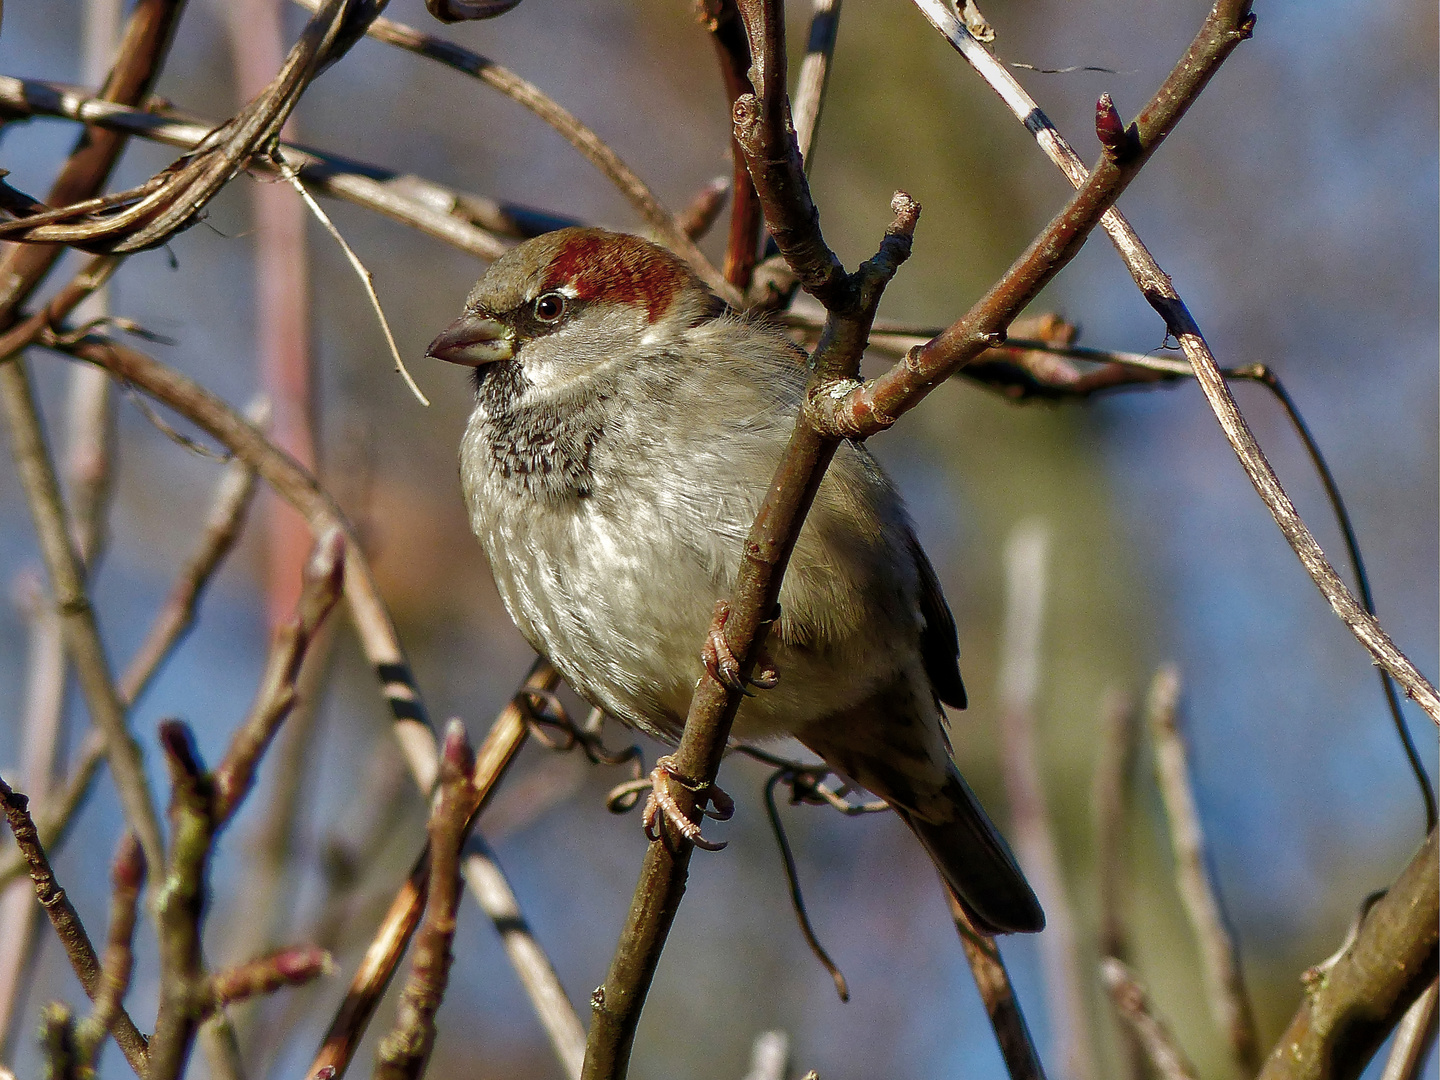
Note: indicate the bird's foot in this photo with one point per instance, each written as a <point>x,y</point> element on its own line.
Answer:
<point>720,661</point>
<point>662,803</point>
<point>717,657</point>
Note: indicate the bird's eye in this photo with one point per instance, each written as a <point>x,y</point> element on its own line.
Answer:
<point>549,307</point>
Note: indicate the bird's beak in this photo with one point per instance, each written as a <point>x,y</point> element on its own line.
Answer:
<point>474,341</point>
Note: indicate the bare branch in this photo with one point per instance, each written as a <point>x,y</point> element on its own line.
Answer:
<point>1354,1003</point>
<point>403,1053</point>
<point>127,877</point>
<point>323,579</point>
<point>1224,983</point>
<point>1026,554</point>
<point>742,247</point>
<point>377,967</point>
<point>67,583</point>
<point>66,922</point>
<point>1163,1052</point>
<point>815,76</point>
<point>1414,1038</point>
<point>536,973</point>
<point>998,995</point>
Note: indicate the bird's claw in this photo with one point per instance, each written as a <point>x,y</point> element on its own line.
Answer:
<point>662,803</point>
<point>720,662</point>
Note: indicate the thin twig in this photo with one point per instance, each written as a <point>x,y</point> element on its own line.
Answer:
<point>742,247</point>
<point>77,618</point>
<point>1233,18</point>
<point>1224,983</point>
<point>180,904</point>
<point>1128,996</point>
<point>403,1053</point>
<point>1017,1047</point>
<point>1414,1038</point>
<point>68,928</point>
<point>127,877</point>
<point>367,280</point>
<point>1026,553</point>
<point>503,742</point>
<point>323,580</point>
<point>577,134</point>
<point>372,976</point>
<point>797,899</point>
<point>229,505</point>
<point>1110,800</point>
<point>1351,1006</point>
<point>536,973</point>
<point>39,729</point>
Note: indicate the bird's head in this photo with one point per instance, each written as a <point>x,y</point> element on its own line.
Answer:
<point>565,305</point>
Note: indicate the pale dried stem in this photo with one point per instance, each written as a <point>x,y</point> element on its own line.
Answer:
<point>1026,565</point>
<point>431,208</point>
<point>1220,962</point>
<point>1161,1049</point>
<point>536,973</point>
<point>1414,1038</point>
<point>1110,807</point>
<point>1160,292</point>
<point>815,76</point>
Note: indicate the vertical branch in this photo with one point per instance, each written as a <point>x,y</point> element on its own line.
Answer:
<point>732,50</point>
<point>1224,984</point>
<point>1110,801</point>
<point>1012,1034</point>
<point>1026,554</point>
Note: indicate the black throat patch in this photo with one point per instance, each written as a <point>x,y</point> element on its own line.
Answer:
<point>542,448</point>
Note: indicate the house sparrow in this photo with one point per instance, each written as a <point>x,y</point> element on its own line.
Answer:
<point>625,430</point>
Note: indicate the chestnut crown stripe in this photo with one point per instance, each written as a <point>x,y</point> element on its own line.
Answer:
<point>619,268</point>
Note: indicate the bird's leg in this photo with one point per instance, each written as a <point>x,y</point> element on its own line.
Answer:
<point>661,802</point>
<point>720,661</point>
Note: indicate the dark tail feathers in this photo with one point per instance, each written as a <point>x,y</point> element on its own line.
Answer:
<point>976,863</point>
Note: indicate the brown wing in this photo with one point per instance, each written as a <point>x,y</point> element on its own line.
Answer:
<point>939,644</point>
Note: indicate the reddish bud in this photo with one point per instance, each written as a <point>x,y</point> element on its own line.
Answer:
<point>128,870</point>
<point>457,759</point>
<point>1109,127</point>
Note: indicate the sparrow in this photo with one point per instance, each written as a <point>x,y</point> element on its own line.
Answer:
<point>626,428</point>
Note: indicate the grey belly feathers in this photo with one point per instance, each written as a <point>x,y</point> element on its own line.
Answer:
<point>612,531</point>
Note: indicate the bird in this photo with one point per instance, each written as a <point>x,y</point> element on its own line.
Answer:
<point>626,427</point>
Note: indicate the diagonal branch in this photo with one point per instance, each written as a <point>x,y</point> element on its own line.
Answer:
<point>1155,284</point>
<point>1355,1001</point>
